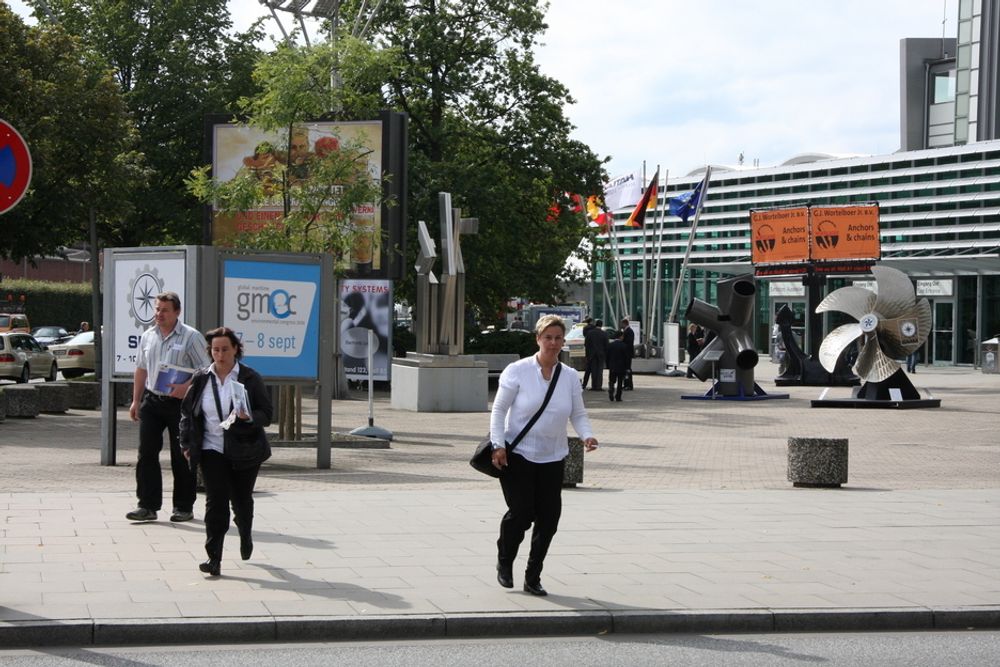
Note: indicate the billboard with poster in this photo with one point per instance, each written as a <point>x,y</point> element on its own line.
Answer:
<point>779,236</point>
<point>845,233</point>
<point>233,148</point>
<point>137,281</point>
<point>366,305</point>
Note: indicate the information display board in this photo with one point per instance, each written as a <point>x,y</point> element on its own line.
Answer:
<point>845,233</point>
<point>779,236</point>
<point>136,283</point>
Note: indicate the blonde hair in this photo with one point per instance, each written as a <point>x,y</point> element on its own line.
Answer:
<point>547,321</point>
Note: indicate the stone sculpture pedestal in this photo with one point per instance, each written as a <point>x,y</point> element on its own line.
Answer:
<point>439,383</point>
<point>817,462</point>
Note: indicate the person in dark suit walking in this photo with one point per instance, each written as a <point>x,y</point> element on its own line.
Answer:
<point>595,342</point>
<point>588,324</point>
<point>617,365</point>
<point>628,337</point>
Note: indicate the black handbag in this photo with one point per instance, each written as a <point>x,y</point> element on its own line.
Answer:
<point>482,459</point>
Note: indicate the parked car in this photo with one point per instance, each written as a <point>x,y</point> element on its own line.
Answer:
<point>23,358</point>
<point>51,335</point>
<point>15,322</point>
<point>76,356</point>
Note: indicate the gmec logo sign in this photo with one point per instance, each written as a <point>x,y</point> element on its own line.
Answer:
<point>276,303</point>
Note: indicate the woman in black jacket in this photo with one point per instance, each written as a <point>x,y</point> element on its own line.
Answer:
<point>226,436</point>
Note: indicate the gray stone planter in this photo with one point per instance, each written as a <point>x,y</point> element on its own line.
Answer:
<point>53,397</point>
<point>84,395</point>
<point>817,462</point>
<point>573,472</point>
<point>123,394</point>
<point>21,400</point>
<point>3,407</point>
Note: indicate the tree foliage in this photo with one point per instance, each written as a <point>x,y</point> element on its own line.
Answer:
<point>175,61</point>
<point>65,103</point>
<point>488,126</point>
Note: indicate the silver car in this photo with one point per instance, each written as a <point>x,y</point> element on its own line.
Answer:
<point>23,358</point>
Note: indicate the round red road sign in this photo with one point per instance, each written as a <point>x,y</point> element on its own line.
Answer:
<point>15,166</point>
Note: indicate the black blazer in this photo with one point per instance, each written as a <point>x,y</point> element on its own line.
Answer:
<point>617,359</point>
<point>244,443</point>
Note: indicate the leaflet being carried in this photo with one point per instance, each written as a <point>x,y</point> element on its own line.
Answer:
<point>169,374</point>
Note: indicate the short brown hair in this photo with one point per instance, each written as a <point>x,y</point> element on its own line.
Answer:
<point>228,333</point>
<point>547,321</point>
<point>172,297</point>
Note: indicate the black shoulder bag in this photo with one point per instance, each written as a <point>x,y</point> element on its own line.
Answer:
<point>482,459</point>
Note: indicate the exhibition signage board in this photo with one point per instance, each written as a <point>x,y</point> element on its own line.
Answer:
<point>273,307</point>
<point>366,305</point>
<point>817,239</point>
<point>15,166</point>
<point>137,281</point>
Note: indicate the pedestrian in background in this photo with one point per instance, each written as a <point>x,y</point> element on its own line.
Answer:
<point>617,365</point>
<point>628,337</point>
<point>533,473</point>
<point>168,342</point>
<point>595,342</point>
<point>588,324</point>
<point>695,337</point>
<point>222,428</point>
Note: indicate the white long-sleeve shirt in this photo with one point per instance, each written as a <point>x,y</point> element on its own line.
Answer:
<point>522,390</point>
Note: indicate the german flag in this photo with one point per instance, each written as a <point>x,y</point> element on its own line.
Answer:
<point>648,201</point>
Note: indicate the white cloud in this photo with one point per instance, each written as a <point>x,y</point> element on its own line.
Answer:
<point>688,83</point>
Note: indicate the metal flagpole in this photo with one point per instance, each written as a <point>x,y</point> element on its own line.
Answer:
<point>687,253</point>
<point>645,271</point>
<point>619,277</point>
<point>662,221</point>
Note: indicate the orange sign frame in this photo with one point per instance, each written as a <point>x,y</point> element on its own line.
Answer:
<point>815,233</point>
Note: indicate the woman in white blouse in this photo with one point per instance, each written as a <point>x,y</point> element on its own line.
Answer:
<point>533,473</point>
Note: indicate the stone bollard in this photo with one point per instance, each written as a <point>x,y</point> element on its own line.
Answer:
<point>21,400</point>
<point>817,462</point>
<point>573,472</point>
<point>53,397</point>
<point>84,395</point>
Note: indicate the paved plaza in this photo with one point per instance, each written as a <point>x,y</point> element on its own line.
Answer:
<point>684,514</point>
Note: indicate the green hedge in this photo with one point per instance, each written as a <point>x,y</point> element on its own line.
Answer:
<point>48,303</point>
<point>521,343</point>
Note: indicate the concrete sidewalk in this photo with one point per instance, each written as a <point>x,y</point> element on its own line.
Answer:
<point>360,563</point>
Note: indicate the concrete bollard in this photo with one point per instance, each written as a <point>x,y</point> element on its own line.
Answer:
<point>21,400</point>
<point>84,395</point>
<point>573,472</point>
<point>53,397</point>
<point>817,462</point>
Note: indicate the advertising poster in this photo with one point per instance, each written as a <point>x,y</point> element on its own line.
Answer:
<point>239,149</point>
<point>137,282</point>
<point>274,309</point>
<point>779,236</point>
<point>366,305</point>
<point>842,233</point>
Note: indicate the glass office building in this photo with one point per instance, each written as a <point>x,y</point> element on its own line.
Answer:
<point>940,224</point>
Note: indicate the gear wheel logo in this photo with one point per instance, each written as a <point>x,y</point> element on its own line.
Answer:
<point>142,292</point>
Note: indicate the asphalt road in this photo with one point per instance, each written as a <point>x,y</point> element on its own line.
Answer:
<point>968,649</point>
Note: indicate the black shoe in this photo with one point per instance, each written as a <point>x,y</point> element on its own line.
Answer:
<point>619,399</point>
<point>179,516</point>
<point>505,576</point>
<point>211,567</point>
<point>246,548</point>
<point>535,589</point>
<point>610,397</point>
<point>141,514</point>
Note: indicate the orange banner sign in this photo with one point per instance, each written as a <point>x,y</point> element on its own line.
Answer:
<point>779,236</point>
<point>845,233</point>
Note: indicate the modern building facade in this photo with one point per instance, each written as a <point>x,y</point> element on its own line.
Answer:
<point>939,200</point>
<point>940,223</point>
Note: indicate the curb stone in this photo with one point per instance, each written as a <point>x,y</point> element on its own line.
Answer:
<point>259,629</point>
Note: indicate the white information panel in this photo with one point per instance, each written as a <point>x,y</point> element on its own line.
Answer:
<point>137,282</point>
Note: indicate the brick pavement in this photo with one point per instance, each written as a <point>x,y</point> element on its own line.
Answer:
<point>685,508</point>
<point>652,440</point>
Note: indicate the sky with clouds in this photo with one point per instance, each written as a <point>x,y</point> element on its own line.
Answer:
<point>684,83</point>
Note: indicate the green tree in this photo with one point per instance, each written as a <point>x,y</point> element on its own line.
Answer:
<point>175,61</point>
<point>65,103</point>
<point>489,127</point>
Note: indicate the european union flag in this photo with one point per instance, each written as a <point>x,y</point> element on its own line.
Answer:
<point>684,205</point>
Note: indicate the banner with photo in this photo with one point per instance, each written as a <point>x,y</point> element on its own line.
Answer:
<point>240,149</point>
<point>366,305</point>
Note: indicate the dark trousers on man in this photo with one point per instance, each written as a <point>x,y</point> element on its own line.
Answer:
<point>533,492</point>
<point>225,485</point>
<point>616,382</point>
<point>157,413</point>
<point>596,370</point>
<point>586,371</point>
